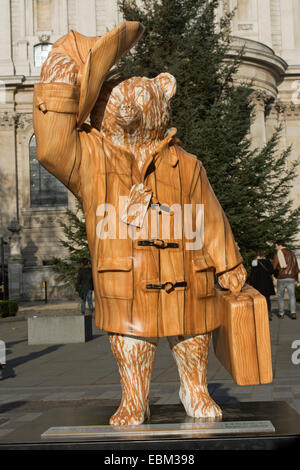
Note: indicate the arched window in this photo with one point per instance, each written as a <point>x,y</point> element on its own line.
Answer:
<point>41,52</point>
<point>45,189</point>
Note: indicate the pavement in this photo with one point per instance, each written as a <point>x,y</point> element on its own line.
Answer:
<point>40,377</point>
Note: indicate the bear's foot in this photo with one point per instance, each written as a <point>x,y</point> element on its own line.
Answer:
<point>199,404</point>
<point>128,415</point>
<point>135,360</point>
<point>191,356</point>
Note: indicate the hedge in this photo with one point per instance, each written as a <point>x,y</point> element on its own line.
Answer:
<point>8,308</point>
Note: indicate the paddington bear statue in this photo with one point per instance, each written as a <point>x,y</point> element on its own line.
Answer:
<point>156,231</point>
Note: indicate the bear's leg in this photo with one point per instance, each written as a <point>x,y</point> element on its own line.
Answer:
<point>135,359</point>
<point>191,356</point>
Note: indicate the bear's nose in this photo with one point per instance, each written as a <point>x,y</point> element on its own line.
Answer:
<point>128,115</point>
<point>127,108</point>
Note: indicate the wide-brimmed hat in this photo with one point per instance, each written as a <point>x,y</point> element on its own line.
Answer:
<point>95,56</point>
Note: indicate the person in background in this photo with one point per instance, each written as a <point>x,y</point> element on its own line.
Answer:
<point>261,277</point>
<point>84,285</point>
<point>286,266</point>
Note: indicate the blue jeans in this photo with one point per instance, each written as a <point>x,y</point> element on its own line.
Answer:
<point>89,300</point>
<point>288,284</point>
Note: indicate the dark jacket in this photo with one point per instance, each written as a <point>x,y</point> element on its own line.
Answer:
<point>84,281</point>
<point>260,277</point>
<point>291,271</point>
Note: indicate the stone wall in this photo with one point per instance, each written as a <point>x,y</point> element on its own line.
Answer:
<point>33,278</point>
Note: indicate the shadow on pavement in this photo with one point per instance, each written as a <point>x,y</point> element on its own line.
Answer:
<point>221,394</point>
<point>8,369</point>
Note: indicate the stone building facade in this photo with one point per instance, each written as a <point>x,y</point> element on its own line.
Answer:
<point>269,30</point>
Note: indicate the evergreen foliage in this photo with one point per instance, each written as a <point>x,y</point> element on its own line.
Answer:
<point>8,308</point>
<point>76,246</point>
<point>213,114</point>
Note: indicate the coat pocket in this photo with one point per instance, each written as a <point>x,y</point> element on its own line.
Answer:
<point>116,278</point>
<point>204,273</point>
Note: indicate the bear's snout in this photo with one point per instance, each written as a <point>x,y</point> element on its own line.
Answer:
<point>128,115</point>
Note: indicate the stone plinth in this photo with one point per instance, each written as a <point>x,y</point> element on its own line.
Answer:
<point>59,329</point>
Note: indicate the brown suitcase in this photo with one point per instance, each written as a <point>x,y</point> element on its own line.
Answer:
<point>242,342</point>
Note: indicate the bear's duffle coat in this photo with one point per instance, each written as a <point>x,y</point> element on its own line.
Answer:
<point>149,286</point>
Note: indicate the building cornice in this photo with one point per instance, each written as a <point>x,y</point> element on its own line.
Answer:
<point>17,80</point>
<point>12,80</point>
<point>257,53</point>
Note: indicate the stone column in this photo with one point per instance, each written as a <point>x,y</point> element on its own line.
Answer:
<point>264,22</point>
<point>60,18</point>
<point>86,17</point>
<point>258,128</point>
<point>15,262</point>
<point>287,30</point>
<point>275,118</point>
<point>6,63</point>
<point>21,59</point>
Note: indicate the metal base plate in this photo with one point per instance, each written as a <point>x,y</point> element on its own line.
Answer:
<point>155,430</point>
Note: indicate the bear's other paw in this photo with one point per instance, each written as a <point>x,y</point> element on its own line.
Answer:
<point>199,404</point>
<point>127,415</point>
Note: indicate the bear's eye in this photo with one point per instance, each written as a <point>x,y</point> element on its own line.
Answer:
<point>142,96</point>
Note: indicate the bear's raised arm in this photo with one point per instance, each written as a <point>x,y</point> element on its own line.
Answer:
<point>56,101</point>
<point>71,82</point>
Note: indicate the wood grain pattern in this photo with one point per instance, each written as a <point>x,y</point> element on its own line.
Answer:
<point>100,166</point>
<point>128,144</point>
<point>191,357</point>
<point>94,57</point>
<point>242,342</point>
<point>59,68</point>
<point>137,114</point>
<point>135,361</point>
<point>233,280</point>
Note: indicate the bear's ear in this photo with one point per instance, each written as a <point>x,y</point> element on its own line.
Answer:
<point>167,83</point>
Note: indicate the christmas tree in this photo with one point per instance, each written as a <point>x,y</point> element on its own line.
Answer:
<point>75,246</point>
